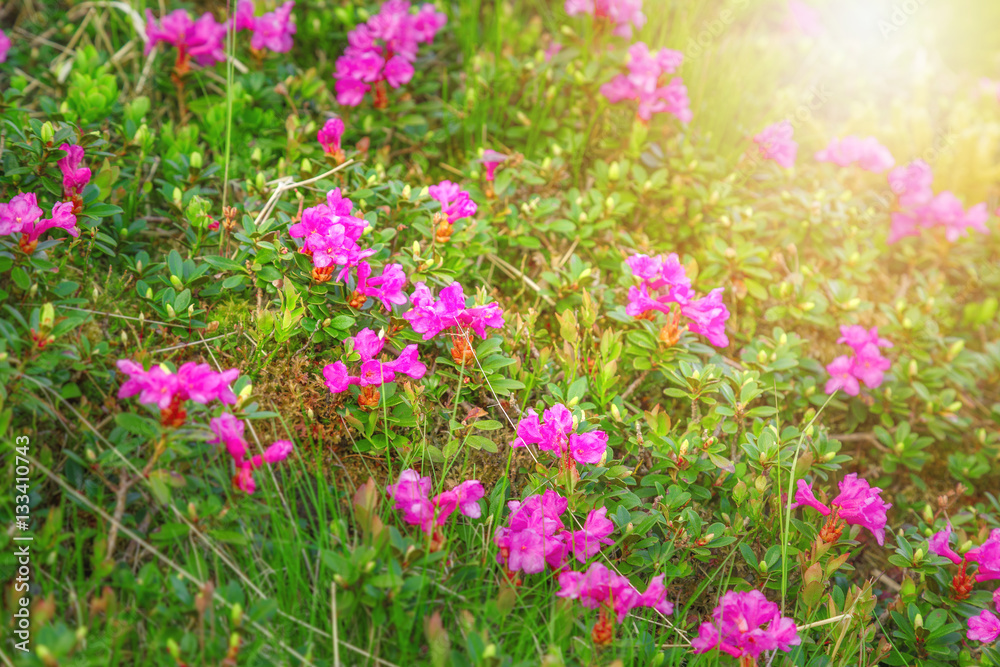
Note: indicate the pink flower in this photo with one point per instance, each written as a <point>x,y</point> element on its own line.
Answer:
<point>645,84</point>
<point>229,430</point>
<point>491,160</point>
<point>984,628</point>
<point>430,317</point>
<point>598,587</point>
<point>4,46</point>
<point>745,625</point>
<point>858,337</point>
<point>868,153</point>
<point>534,529</point>
<point>62,218</point>
<point>455,202</point>
<point>804,19</point>
<point>387,288</point>
<point>857,503</point>
<point>330,234</point>
<point>373,372</point>
<point>350,92</point>
<point>946,210</point>
<point>622,14</point>
<point>938,544</point>
<point>245,15</point>
<point>586,543</point>
<point>75,176</point>
<point>776,143</point>
<point>244,480</point>
<point>410,493</point>
<point>329,136</point>
<point>912,183</point>
<point>553,50</point>
<point>194,382</point>
<point>708,317</point>
<point>996,599</point>
<point>869,366</point>
<point>273,31</point>
<point>987,557</point>
<point>22,211</point>
<point>556,435</point>
<point>202,39</point>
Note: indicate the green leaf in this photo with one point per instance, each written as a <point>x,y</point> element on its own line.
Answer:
<point>479,442</point>
<point>169,532</point>
<point>20,278</point>
<point>136,425</point>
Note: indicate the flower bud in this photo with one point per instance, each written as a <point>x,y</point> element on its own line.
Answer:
<point>616,414</point>
<point>762,566</point>
<point>47,132</point>
<point>306,167</point>
<point>176,282</point>
<point>259,182</point>
<point>407,191</point>
<point>609,203</point>
<point>173,649</point>
<point>178,197</point>
<point>196,161</point>
<point>918,621</point>
<point>170,311</point>
<point>236,614</point>
<point>918,555</point>
<point>124,338</point>
<point>614,171</point>
<point>234,641</point>
<point>762,356</point>
<point>256,156</point>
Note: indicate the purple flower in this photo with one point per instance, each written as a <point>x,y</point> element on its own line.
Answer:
<point>586,543</point>
<point>776,143</point>
<point>984,628</point>
<point>867,365</point>
<point>455,202</point>
<point>387,287</point>
<point>987,557</point>
<point>939,544</point>
<point>708,317</point>
<point>912,183</point>
<point>858,337</point>
<point>194,382</point>
<point>744,625</point>
<point>245,15</point>
<point>62,218</point>
<point>599,586</point>
<point>202,39</point>
<point>430,317</point>
<point>411,496</point>
<point>4,46</point>
<point>229,430</point>
<point>491,160</point>
<point>622,14</point>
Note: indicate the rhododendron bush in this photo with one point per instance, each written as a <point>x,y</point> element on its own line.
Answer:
<point>589,332</point>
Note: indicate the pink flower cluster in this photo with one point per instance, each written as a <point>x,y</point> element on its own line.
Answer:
<point>776,142</point>
<point>271,31</point>
<point>330,234</point>
<point>868,153</point>
<point>430,317</point>
<point>920,208</point>
<point>201,40</point>
<point>744,625</point>
<point>986,556</point>
<point>329,138</point>
<point>455,202</point>
<point>411,495</point>
<point>599,586</point>
<point>621,14</point>
<point>985,627</point>
<point>662,281</point>
<point>646,83</point>
<point>382,51</point>
<point>228,430</point>
<point>191,382</point>
<point>22,215</point>
<point>373,373</point>
<point>867,365</point>
<point>4,46</point>
<point>556,435</point>
<point>535,535</point>
<point>858,504</point>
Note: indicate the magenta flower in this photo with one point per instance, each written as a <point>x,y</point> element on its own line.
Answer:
<point>410,493</point>
<point>228,431</point>
<point>245,15</point>
<point>663,281</point>
<point>387,287</point>
<point>491,160</point>
<point>75,176</point>
<point>646,84</point>
<point>867,365</point>
<point>984,628</point>
<point>912,184</point>
<point>557,435</point>
<point>194,382</point>
<point>987,557</point>
<point>4,46</point>
<point>620,14</point>
<point>598,587</point>
<point>201,40</point>
<point>244,480</point>
<point>430,317</point>
<point>329,137</point>
<point>586,543</point>
<point>857,504</point>
<point>744,625</point>
<point>330,234</point>
<point>22,211</point>
<point>273,31</point>
<point>382,51</point>
<point>62,218</point>
<point>946,210</point>
<point>939,544</point>
<point>868,153</point>
<point>776,143</point>
<point>373,372</point>
<point>858,337</point>
<point>455,202</point>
